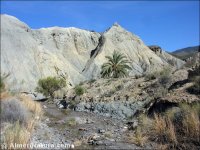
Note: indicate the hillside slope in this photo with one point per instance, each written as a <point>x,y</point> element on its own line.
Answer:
<point>28,55</point>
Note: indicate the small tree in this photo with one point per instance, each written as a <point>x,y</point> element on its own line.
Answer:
<point>117,66</point>
<point>49,85</point>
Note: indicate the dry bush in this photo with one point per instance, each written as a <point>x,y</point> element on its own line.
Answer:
<point>31,124</point>
<point>176,128</point>
<point>23,113</point>
<point>191,125</point>
<point>12,110</point>
<point>163,130</point>
<point>196,108</point>
<point>16,134</point>
<point>171,113</point>
<point>139,138</point>
<point>145,122</point>
<point>163,146</point>
<point>34,107</point>
<point>36,111</point>
<point>159,128</point>
<point>170,131</point>
<point>5,96</point>
<point>190,119</point>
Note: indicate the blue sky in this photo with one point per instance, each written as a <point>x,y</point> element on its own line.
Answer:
<point>170,24</point>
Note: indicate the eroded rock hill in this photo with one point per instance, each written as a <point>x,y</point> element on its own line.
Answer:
<point>28,54</point>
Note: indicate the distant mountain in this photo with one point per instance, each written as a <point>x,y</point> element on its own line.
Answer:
<point>186,53</point>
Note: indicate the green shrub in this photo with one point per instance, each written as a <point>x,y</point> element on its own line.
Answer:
<point>81,83</point>
<point>151,76</point>
<point>49,85</point>
<point>165,72</point>
<point>119,87</point>
<point>92,81</point>
<point>79,90</point>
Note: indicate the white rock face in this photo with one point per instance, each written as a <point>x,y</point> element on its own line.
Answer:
<point>29,55</point>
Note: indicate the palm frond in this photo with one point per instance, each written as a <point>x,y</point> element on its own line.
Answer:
<point>117,66</point>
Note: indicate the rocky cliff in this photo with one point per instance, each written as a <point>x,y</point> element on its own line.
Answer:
<point>28,54</point>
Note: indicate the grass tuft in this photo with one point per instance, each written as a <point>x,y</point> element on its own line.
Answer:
<point>16,134</point>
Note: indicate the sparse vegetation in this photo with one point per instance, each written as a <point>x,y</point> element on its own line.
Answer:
<point>138,138</point>
<point>33,106</point>
<point>16,134</point>
<point>165,80</point>
<point>108,134</point>
<point>119,87</point>
<point>117,66</point>
<point>173,129</point>
<point>151,76</point>
<point>92,80</point>
<point>163,130</point>
<point>194,76</point>
<point>158,74</point>
<point>79,90</point>
<point>71,122</point>
<point>195,88</point>
<point>49,85</point>
<point>12,110</point>
<point>109,93</point>
<point>191,120</point>
<point>20,114</point>
<point>138,76</point>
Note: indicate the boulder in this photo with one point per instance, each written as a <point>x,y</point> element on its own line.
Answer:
<point>62,104</point>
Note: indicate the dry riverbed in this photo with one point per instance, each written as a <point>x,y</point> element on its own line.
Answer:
<point>82,129</point>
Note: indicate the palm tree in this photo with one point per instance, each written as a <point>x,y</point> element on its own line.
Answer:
<point>117,66</point>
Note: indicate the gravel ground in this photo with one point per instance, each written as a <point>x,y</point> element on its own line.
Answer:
<point>81,130</point>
